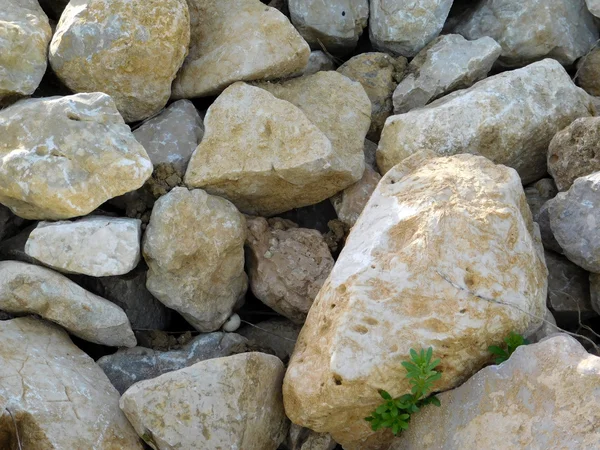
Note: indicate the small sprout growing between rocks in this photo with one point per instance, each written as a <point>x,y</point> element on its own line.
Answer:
<point>513,341</point>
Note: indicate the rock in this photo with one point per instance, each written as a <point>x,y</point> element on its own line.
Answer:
<point>335,25</point>
<point>277,336</point>
<point>13,249</point>
<point>537,101</point>
<point>24,35</point>
<point>9,223</point>
<point>379,74</point>
<point>129,49</point>
<point>544,396</point>
<point>232,324</point>
<point>132,365</point>
<point>239,40</point>
<point>547,235</point>
<point>539,193</point>
<point>173,135</point>
<point>529,31</point>
<point>595,291</point>
<point>548,328</point>
<point>286,265</point>
<point>304,439</point>
<point>351,201</point>
<point>98,246</point>
<point>370,152</point>
<point>28,289</point>
<point>268,156</point>
<point>317,61</point>
<point>446,64</point>
<point>58,396</point>
<point>200,273</point>
<point>575,152</point>
<point>76,151</point>
<point>230,402</point>
<point>593,6</point>
<point>588,69</point>
<point>420,268</point>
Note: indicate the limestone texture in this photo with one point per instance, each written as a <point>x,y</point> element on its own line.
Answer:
<point>351,201</point>
<point>588,69</point>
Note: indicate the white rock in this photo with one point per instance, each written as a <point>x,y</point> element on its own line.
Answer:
<point>232,324</point>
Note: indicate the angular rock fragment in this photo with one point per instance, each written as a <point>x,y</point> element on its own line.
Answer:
<point>588,70</point>
<point>351,201</point>
<point>304,439</point>
<point>317,61</point>
<point>539,193</point>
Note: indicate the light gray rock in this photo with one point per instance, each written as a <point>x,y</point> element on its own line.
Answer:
<point>351,201</point>
<point>277,336</point>
<point>588,70</point>
<point>593,6</point>
<point>539,193</point>
<point>548,328</point>
<point>317,61</point>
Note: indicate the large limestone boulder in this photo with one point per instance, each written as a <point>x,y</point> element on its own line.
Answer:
<point>194,247</point>
<point>509,118</point>
<point>231,402</point>
<point>439,243</point>
<point>57,394</point>
<point>129,49</point>
<point>351,201</point>
<point>62,157</point>
<point>238,40</point>
<point>24,36</point>
<point>588,72</point>
<point>544,396</point>
<point>531,30</point>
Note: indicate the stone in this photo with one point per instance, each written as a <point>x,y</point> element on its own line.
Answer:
<point>446,64</point>
<point>588,70</point>
<point>300,438</point>
<point>9,223</point>
<point>575,152</point>
<point>29,289</point>
<point>13,249</point>
<point>231,402</point>
<point>98,246</point>
<point>544,396</point>
<point>351,201</point>
<point>536,102</point>
<point>57,394</point>
<point>76,151</point>
<point>277,336</point>
<point>194,248</point>
<point>129,49</point>
<point>268,156</point>
<point>529,31</point>
<point>547,235</point>
<point>239,40</point>
<point>420,268</point>
<point>595,291</point>
<point>286,265</point>
<point>317,61</point>
<point>129,366</point>
<point>335,25</point>
<point>173,135</point>
<point>593,6</point>
<point>379,74</point>
<point>539,193</point>
<point>548,328</point>
<point>370,152</point>
<point>404,27</point>
<point>24,36</point>
<point>232,324</point>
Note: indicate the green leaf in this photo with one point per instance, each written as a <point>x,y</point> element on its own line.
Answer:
<point>381,409</point>
<point>436,401</point>
<point>429,354</point>
<point>385,394</point>
<point>395,428</point>
<point>496,350</point>
<point>414,355</point>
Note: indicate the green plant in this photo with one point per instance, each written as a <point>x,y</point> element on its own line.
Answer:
<point>513,341</point>
<point>395,413</point>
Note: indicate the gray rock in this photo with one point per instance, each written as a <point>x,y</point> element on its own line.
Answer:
<point>588,72</point>
<point>317,61</point>
<point>548,328</point>
<point>300,438</point>
<point>539,193</point>
<point>351,201</point>
<point>9,223</point>
<point>595,291</point>
<point>546,233</point>
<point>14,248</point>
<point>593,6</point>
<point>277,336</point>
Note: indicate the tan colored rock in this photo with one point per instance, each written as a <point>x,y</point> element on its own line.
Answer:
<point>194,247</point>
<point>237,40</point>
<point>536,102</point>
<point>287,265</point>
<point>129,49</point>
<point>65,156</point>
<point>351,201</point>
<point>438,243</point>
<point>588,72</point>
<point>57,394</point>
<point>231,402</point>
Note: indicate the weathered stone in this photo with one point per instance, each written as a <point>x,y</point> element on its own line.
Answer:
<point>24,36</point>
<point>439,243</point>
<point>129,49</point>
<point>231,402</point>
<point>539,193</point>
<point>29,289</point>
<point>351,201</point>
<point>593,6</point>
<point>194,247</point>
<point>544,396</point>
<point>317,61</point>
<point>287,265</point>
<point>379,74</point>
<point>575,152</point>
<point>509,118</point>
<point>132,365</point>
<point>173,135</point>
<point>238,40</point>
<point>529,31</point>
<point>58,396</point>
<point>98,246</point>
<point>277,336</point>
<point>446,64</point>
<point>304,439</point>
<point>548,328</point>
<point>588,72</point>
<point>65,156</point>
<point>370,152</point>
<point>547,235</point>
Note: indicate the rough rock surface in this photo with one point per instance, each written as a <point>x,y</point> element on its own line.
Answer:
<point>544,396</point>
<point>547,235</point>
<point>593,6</point>
<point>539,193</point>
<point>231,402</point>
<point>588,69</point>
<point>437,238</point>
<point>59,397</point>
<point>446,64</point>
<point>548,328</point>
<point>76,152</point>
<point>200,274</point>
<point>351,201</point>
<point>404,27</point>
<point>120,48</point>
<point>277,336</point>
<point>28,289</point>
<point>317,61</point>
<point>98,246</point>
<point>237,40</point>
<point>509,118</point>
<point>132,365</point>
<point>286,265</point>
<point>304,439</point>
<point>534,29</point>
